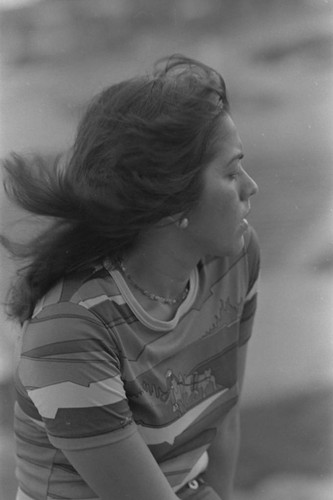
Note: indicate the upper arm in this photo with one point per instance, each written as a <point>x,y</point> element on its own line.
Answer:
<point>71,371</point>
<point>125,469</point>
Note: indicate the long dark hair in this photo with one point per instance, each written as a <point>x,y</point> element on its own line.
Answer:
<point>138,157</point>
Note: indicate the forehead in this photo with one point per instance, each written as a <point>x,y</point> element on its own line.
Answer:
<point>227,141</point>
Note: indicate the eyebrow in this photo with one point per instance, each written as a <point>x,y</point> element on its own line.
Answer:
<point>238,156</point>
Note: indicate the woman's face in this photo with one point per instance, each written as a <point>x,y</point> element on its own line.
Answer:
<point>217,223</point>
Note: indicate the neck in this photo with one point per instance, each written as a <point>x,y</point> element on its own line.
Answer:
<point>160,265</point>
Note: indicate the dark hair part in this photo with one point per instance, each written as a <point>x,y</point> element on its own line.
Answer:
<point>139,155</point>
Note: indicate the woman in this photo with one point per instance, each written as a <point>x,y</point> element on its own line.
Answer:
<point>138,298</point>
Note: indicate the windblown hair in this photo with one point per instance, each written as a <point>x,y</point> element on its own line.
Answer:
<point>139,155</point>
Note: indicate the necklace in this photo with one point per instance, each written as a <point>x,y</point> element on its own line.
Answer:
<point>153,296</point>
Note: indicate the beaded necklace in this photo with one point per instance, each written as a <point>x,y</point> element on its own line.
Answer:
<point>152,296</point>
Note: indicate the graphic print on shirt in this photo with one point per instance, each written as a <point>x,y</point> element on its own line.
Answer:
<point>187,390</point>
<point>184,401</point>
<point>228,314</point>
<point>183,391</point>
<point>126,378</point>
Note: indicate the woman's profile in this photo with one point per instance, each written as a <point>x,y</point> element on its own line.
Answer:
<point>137,299</point>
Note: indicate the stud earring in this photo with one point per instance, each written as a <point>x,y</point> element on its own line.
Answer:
<point>183,223</point>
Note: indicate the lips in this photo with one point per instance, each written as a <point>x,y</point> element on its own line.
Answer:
<point>244,223</point>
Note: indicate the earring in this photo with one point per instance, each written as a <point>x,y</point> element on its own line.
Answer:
<point>183,223</point>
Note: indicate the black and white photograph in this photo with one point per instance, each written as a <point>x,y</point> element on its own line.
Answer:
<point>166,249</point>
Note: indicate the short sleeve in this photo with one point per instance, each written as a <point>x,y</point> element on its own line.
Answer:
<point>70,369</point>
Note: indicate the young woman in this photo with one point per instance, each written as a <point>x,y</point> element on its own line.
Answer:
<point>138,298</point>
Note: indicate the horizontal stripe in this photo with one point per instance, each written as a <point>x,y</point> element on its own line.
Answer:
<point>88,303</point>
<point>25,406</point>
<point>36,373</point>
<point>73,347</point>
<point>97,358</point>
<point>34,478</point>
<point>75,423</point>
<point>69,395</point>
<point>65,482</point>
<point>183,340</point>
<point>23,496</point>
<point>62,323</point>
<point>94,441</point>
<point>78,346</point>
<point>169,433</point>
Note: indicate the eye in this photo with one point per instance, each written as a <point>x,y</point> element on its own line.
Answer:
<point>234,168</point>
<point>233,176</point>
<point>236,172</point>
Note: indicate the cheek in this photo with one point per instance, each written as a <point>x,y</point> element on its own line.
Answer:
<point>224,206</point>
<point>219,205</point>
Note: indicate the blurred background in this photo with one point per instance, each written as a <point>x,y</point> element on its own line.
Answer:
<point>277,60</point>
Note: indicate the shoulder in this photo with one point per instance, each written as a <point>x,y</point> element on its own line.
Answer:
<point>82,294</point>
<point>67,323</point>
<point>80,308</point>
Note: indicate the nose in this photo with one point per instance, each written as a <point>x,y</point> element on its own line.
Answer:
<point>250,187</point>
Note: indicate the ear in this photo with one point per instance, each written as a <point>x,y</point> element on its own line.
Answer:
<point>183,223</point>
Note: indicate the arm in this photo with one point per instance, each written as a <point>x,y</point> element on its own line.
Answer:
<point>125,469</point>
<point>79,393</point>
<point>223,452</point>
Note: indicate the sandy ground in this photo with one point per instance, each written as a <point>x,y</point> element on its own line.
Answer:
<point>288,397</point>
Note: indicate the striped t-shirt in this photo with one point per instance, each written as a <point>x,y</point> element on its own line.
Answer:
<point>94,367</point>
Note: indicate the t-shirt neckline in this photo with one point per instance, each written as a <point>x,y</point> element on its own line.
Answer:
<point>142,315</point>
